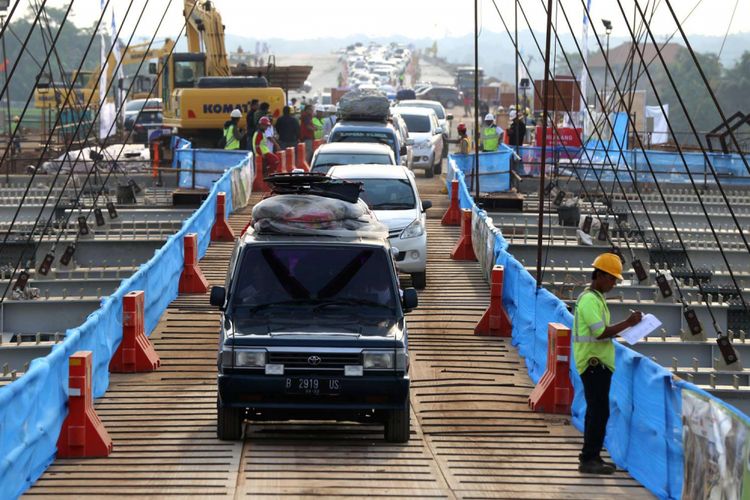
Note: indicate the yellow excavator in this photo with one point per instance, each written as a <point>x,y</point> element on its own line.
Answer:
<point>58,96</point>
<point>198,89</point>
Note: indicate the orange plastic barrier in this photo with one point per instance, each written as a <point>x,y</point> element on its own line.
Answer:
<point>495,321</point>
<point>192,279</point>
<point>82,434</point>
<point>463,249</point>
<point>317,143</point>
<point>259,184</point>
<point>155,159</point>
<point>135,354</point>
<point>452,216</point>
<point>221,230</point>
<point>554,392</point>
<point>282,157</point>
<point>291,159</point>
<point>302,157</point>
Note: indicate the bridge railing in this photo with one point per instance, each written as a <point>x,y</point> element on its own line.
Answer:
<point>674,438</point>
<point>33,408</point>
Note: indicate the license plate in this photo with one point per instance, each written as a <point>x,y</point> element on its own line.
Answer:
<point>312,386</point>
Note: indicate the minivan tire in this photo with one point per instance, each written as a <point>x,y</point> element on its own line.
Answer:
<point>428,172</point>
<point>397,429</point>
<point>438,167</point>
<point>229,422</point>
<point>419,280</point>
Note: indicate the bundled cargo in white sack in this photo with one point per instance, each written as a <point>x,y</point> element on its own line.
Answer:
<point>364,105</point>
<point>313,215</point>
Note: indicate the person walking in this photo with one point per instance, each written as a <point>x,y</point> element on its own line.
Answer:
<point>232,132</point>
<point>463,141</point>
<point>317,122</point>
<point>491,134</point>
<point>287,127</point>
<point>307,131</point>
<point>467,104</point>
<point>516,129</point>
<point>250,122</point>
<point>594,354</point>
<point>271,161</point>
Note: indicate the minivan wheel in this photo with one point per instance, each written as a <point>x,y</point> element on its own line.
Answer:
<point>438,167</point>
<point>428,172</point>
<point>419,280</point>
<point>229,422</point>
<point>397,425</point>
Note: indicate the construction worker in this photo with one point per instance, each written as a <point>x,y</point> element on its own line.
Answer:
<point>232,133</point>
<point>491,134</point>
<point>16,130</point>
<point>271,161</point>
<point>463,141</point>
<point>317,122</point>
<point>594,354</point>
<point>307,130</point>
<point>516,129</point>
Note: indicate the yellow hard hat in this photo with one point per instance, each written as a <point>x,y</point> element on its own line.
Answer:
<point>610,263</point>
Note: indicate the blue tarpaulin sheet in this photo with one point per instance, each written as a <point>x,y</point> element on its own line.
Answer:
<point>210,165</point>
<point>494,169</point>
<point>644,434</point>
<point>33,408</point>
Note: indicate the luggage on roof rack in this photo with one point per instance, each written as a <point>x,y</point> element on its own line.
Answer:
<point>364,105</point>
<point>315,205</point>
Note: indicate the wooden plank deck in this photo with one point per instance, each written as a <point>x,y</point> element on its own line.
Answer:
<point>473,435</point>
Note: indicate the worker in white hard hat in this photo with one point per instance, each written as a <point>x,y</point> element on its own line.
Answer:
<point>491,134</point>
<point>232,132</point>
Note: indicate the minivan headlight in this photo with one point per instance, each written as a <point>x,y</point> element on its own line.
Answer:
<point>250,358</point>
<point>377,360</point>
<point>413,230</point>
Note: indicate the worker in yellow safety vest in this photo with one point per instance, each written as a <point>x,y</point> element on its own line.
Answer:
<point>594,354</point>
<point>232,134</point>
<point>259,144</point>
<point>491,134</point>
<point>317,122</point>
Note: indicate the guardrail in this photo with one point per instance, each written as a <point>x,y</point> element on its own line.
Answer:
<point>33,408</point>
<point>674,438</point>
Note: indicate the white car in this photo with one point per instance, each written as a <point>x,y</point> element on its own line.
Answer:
<point>425,131</point>
<point>443,117</point>
<point>392,194</point>
<point>347,153</point>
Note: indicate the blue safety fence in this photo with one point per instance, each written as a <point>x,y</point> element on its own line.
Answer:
<point>199,168</point>
<point>645,431</point>
<point>33,408</point>
<point>494,169</point>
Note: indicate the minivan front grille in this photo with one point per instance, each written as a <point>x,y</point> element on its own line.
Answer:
<point>314,360</point>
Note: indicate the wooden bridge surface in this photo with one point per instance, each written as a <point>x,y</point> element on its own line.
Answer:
<point>473,435</point>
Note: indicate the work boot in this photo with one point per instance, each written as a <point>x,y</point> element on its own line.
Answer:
<point>604,462</point>
<point>596,467</point>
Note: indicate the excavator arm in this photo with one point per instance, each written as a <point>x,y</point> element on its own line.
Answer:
<point>205,33</point>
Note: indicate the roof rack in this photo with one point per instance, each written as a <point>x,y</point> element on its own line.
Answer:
<point>314,184</point>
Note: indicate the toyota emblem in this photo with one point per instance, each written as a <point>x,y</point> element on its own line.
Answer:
<point>314,360</point>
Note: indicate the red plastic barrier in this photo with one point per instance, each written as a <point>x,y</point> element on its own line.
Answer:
<point>83,433</point>
<point>291,159</point>
<point>495,321</point>
<point>258,184</point>
<point>452,216</point>
<point>317,143</point>
<point>302,157</point>
<point>554,392</point>
<point>192,279</point>
<point>463,249</point>
<point>135,354</point>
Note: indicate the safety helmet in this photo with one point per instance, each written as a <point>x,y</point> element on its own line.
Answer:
<point>264,121</point>
<point>489,118</point>
<point>610,263</point>
<point>236,113</point>
<point>461,127</point>
<point>16,118</point>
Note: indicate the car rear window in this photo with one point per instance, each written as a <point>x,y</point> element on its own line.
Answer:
<point>331,159</point>
<point>364,136</point>
<point>387,194</point>
<point>417,123</point>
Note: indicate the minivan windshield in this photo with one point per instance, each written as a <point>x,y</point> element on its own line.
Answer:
<point>315,280</point>
<point>387,194</point>
<point>417,123</point>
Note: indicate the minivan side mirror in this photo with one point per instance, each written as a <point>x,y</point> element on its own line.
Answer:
<point>449,116</point>
<point>403,151</point>
<point>426,205</point>
<point>218,296</point>
<point>409,142</point>
<point>438,130</point>
<point>410,300</point>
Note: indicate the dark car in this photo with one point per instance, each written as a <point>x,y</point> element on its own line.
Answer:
<point>448,96</point>
<point>313,327</point>
<point>143,123</point>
